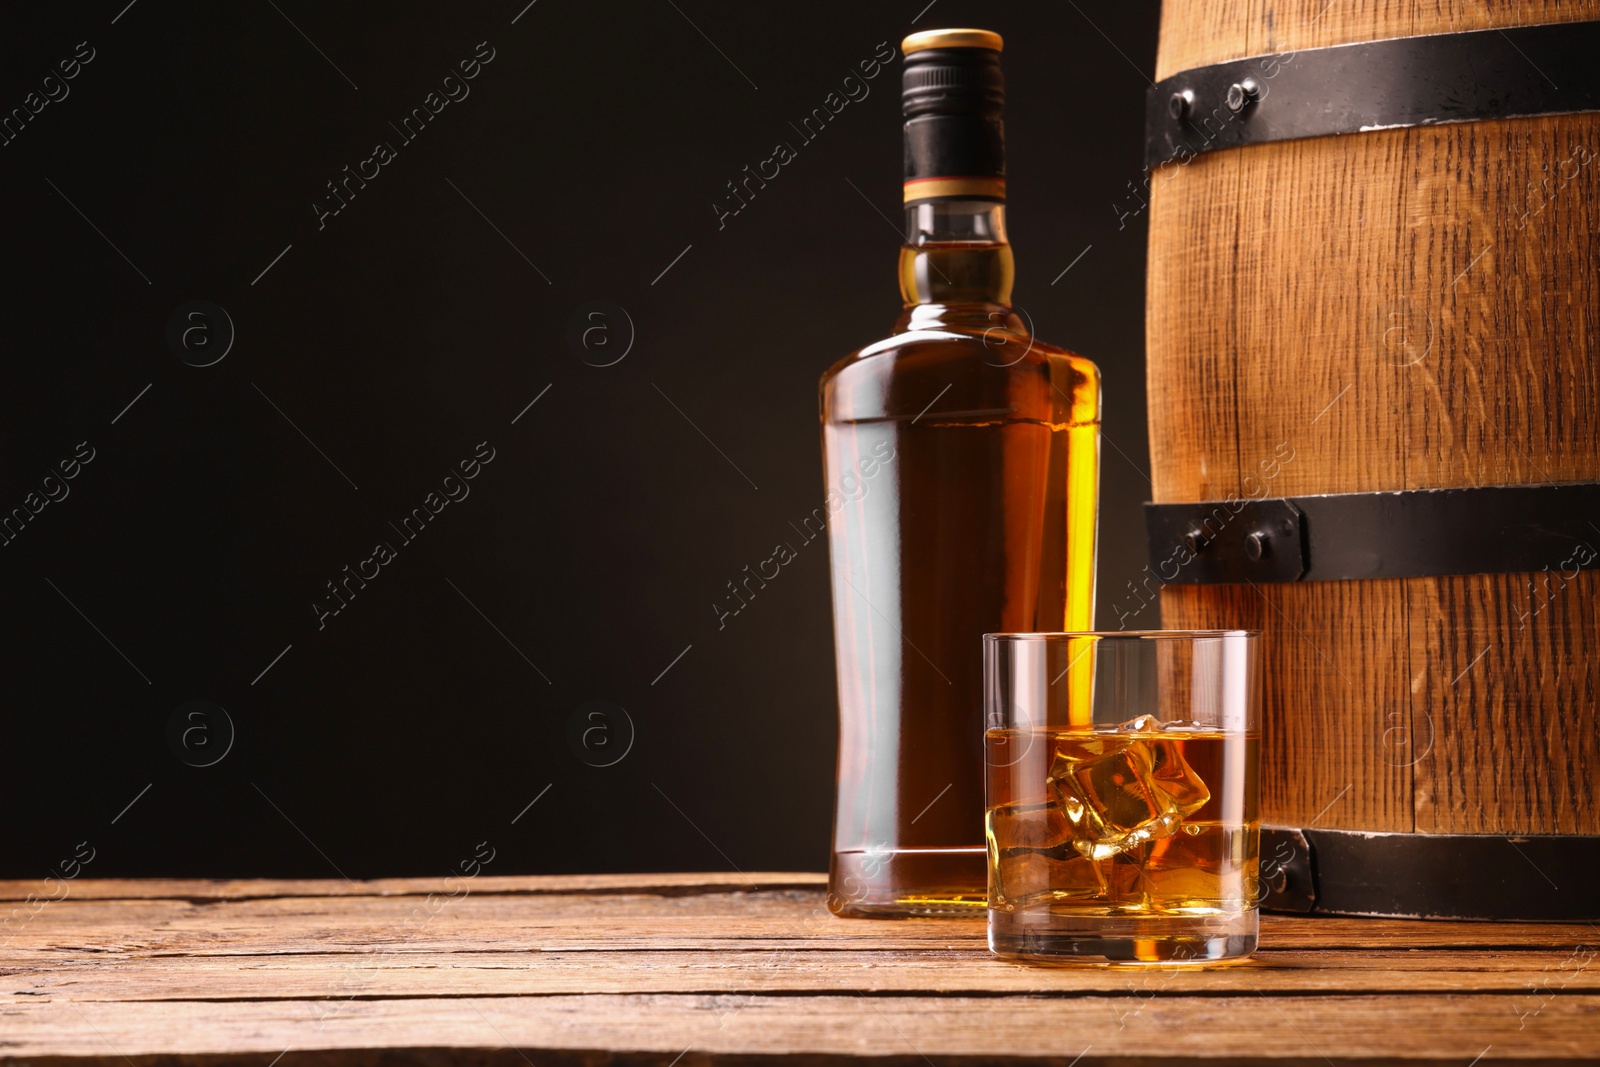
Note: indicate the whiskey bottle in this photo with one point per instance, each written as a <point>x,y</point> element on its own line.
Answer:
<point>961,460</point>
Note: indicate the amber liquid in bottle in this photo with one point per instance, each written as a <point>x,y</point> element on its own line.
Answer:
<point>962,465</point>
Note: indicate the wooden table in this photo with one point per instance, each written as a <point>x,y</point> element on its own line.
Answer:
<point>688,969</point>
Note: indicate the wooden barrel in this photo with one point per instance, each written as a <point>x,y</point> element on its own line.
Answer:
<point>1395,309</point>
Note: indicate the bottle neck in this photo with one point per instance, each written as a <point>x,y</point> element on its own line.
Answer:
<point>956,257</point>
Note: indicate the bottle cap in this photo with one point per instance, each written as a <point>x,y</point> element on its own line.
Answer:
<point>952,95</point>
<point>926,39</point>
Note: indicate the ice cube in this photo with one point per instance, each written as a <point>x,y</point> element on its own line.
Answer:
<point>1140,724</point>
<point>1038,826</point>
<point>1033,858</point>
<point>1020,879</point>
<point>1120,791</point>
<point>1171,774</point>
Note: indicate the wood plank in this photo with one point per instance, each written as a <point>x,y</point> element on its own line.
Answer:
<point>576,970</point>
<point>1319,276</point>
<point>717,918</point>
<point>1508,695</point>
<point>703,1028</point>
<point>1190,373</point>
<point>1291,24</point>
<point>404,970</point>
<point>1509,392</point>
<point>1197,32</point>
<point>203,889</point>
<point>1500,386</point>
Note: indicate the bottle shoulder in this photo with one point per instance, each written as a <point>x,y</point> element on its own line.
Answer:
<point>977,370</point>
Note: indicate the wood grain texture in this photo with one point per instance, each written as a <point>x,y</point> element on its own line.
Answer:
<point>928,970</point>
<point>1336,709</point>
<point>1403,309</point>
<point>651,969</point>
<point>1194,224</point>
<point>1197,32</point>
<point>904,1031</point>
<point>206,890</point>
<point>1505,728</point>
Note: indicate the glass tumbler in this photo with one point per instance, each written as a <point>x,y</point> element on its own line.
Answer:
<point>1120,795</point>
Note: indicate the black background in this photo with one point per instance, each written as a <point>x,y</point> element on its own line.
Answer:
<point>415,724</point>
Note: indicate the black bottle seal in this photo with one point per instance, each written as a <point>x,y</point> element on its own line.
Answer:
<point>952,96</point>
